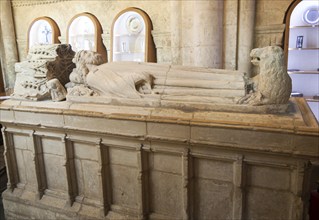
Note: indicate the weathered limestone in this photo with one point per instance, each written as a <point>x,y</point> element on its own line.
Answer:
<point>9,55</point>
<point>82,60</point>
<point>45,73</point>
<point>147,84</point>
<point>88,161</point>
<point>176,33</point>
<point>246,23</point>
<point>208,33</point>
<point>155,85</point>
<point>273,84</point>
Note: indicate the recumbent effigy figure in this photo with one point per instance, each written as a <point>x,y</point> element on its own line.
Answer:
<point>146,84</point>
<point>107,82</point>
<point>150,84</point>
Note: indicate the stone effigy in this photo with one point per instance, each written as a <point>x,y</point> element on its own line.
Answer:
<point>44,73</point>
<point>273,84</point>
<point>153,85</point>
<point>160,85</point>
<point>85,159</point>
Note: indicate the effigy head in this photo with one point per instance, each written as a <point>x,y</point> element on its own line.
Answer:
<point>82,60</point>
<point>88,57</point>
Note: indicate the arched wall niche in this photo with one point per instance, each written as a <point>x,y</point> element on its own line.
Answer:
<point>84,33</point>
<point>301,50</point>
<point>287,22</point>
<point>43,30</point>
<point>131,38</point>
<point>301,37</point>
<point>296,25</point>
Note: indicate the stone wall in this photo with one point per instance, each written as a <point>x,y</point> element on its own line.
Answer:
<point>270,22</point>
<point>217,34</point>
<point>85,161</point>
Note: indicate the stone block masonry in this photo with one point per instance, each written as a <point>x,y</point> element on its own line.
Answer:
<point>91,161</point>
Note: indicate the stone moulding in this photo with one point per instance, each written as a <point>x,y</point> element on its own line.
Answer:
<point>83,160</point>
<point>19,3</point>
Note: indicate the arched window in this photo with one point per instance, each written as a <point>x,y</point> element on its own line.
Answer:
<point>131,38</point>
<point>84,33</point>
<point>302,40</point>
<point>43,30</point>
<point>302,50</point>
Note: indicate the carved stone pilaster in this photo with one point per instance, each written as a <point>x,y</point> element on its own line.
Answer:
<point>162,42</point>
<point>10,160</point>
<point>187,175</point>
<point>239,184</point>
<point>106,38</point>
<point>39,165</point>
<point>70,170</point>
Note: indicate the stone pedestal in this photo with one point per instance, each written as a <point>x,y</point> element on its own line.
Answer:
<point>73,161</point>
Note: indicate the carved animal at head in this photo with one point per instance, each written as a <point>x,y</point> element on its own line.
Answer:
<point>274,83</point>
<point>82,59</point>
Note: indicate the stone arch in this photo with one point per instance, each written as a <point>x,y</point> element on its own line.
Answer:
<point>97,44</point>
<point>149,46</point>
<point>51,34</point>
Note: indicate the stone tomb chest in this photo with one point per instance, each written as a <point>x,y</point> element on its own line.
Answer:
<point>82,160</point>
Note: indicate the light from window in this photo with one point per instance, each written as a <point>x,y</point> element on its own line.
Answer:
<point>81,34</point>
<point>40,33</point>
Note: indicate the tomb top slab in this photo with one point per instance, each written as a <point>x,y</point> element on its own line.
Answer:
<point>298,119</point>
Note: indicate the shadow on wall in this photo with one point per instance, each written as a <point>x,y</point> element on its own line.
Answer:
<point>3,176</point>
<point>2,90</point>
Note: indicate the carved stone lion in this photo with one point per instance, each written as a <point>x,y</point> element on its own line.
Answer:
<point>272,85</point>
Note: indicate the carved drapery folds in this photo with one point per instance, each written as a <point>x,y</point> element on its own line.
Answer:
<point>141,84</point>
